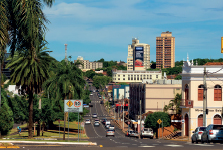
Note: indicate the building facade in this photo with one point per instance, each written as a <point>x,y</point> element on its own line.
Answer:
<point>154,96</point>
<point>88,65</point>
<point>138,56</point>
<point>135,76</point>
<point>192,95</point>
<point>165,50</point>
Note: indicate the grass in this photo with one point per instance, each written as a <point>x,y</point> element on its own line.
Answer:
<point>52,132</point>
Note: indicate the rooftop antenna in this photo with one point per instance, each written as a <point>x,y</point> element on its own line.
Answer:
<point>65,52</point>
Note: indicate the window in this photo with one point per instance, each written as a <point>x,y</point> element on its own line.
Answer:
<point>123,75</point>
<point>217,93</point>
<point>118,78</point>
<point>150,76</point>
<point>118,75</point>
<point>156,76</point>
<point>186,92</point>
<point>200,92</point>
<point>123,78</point>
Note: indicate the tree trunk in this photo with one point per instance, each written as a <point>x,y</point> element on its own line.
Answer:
<point>38,128</point>
<point>30,129</point>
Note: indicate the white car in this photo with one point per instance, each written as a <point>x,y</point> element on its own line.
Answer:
<point>87,121</point>
<point>91,94</point>
<point>94,116</point>
<point>147,133</point>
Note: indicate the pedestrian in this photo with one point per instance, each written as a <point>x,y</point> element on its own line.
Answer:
<point>20,131</point>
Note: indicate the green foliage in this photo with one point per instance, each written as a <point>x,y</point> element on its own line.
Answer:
<point>123,83</point>
<point>6,117</point>
<point>174,104</point>
<point>178,77</point>
<point>90,74</point>
<point>100,81</point>
<point>86,97</point>
<point>151,120</point>
<point>121,67</point>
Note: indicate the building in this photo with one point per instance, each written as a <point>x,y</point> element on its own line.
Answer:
<point>138,56</point>
<point>120,92</point>
<point>165,50</point>
<point>154,96</point>
<point>192,95</point>
<point>135,76</point>
<point>88,65</point>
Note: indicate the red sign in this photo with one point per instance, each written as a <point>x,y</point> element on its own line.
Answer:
<point>77,103</point>
<point>189,103</point>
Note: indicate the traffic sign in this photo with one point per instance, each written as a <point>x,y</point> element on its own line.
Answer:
<point>73,105</point>
<point>159,121</point>
<point>182,121</point>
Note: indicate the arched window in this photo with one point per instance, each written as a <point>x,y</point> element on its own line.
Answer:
<point>186,92</point>
<point>217,119</point>
<point>217,93</point>
<point>200,120</point>
<point>200,92</point>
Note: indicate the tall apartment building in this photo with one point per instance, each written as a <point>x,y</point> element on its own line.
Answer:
<point>138,56</point>
<point>165,50</point>
<point>88,65</point>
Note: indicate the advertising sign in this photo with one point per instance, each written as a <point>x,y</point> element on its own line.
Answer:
<point>73,105</point>
<point>138,56</point>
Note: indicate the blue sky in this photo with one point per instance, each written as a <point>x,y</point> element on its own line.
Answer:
<point>98,29</point>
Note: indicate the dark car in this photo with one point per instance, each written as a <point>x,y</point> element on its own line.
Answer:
<point>103,120</point>
<point>101,102</point>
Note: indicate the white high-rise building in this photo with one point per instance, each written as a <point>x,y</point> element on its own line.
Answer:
<point>138,56</point>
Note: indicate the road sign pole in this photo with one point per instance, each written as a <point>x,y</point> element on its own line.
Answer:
<point>68,125</point>
<point>158,131</point>
<point>59,129</point>
<point>78,126</point>
<point>162,129</point>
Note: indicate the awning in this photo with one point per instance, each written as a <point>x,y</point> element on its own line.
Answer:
<point>120,105</point>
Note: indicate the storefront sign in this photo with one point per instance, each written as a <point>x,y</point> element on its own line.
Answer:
<point>209,110</point>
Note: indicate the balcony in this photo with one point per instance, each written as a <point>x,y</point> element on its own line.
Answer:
<point>186,103</point>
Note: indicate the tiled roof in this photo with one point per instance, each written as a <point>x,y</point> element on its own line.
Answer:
<point>213,63</point>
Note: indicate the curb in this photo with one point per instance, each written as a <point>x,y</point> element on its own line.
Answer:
<point>67,143</point>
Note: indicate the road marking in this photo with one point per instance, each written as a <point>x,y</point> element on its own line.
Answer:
<point>174,145</point>
<point>155,144</point>
<point>147,146</point>
<point>101,145</point>
<point>134,144</point>
<point>125,143</point>
<point>202,144</point>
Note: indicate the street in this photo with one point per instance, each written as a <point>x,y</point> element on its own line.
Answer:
<point>98,135</point>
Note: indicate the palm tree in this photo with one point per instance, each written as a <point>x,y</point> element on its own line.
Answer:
<point>30,72</point>
<point>22,28</point>
<point>68,82</point>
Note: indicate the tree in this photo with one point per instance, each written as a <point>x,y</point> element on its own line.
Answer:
<point>6,117</point>
<point>68,82</point>
<point>151,120</point>
<point>174,104</point>
<point>30,71</point>
<point>178,77</point>
<point>90,74</point>
<point>153,66</point>
<point>24,26</point>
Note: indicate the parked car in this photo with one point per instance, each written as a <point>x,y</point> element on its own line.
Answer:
<point>111,127</point>
<point>87,121</point>
<point>128,132</point>
<point>94,115</point>
<point>103,121</point>
<point>197,134</point>
<point>91,94</point>
<point>110,133</point>
<point>101,102</point>
<point>147,133</point>
<point>213,133</point>
<point>134,134</point>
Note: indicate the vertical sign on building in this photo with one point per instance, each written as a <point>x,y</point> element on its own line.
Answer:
<point>138,56</point>
<point>221,44</point>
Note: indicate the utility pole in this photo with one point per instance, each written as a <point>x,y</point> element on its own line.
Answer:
<point>123,116</point>
<point>204,98</point>
<point>128,114</point>
<point>140,103</point>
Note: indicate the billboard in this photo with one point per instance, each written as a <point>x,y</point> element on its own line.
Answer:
<point>221,44</point>
<point>138,56</point>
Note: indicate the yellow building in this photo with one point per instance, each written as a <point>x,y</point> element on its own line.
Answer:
<point>192,95</point>
<point>165,50</point>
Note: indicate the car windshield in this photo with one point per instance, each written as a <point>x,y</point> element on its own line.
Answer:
<point>94,114</point>
<point>218,127</point>
<point>202,128</point>
<point>110,130</point>
<point>87,120</point>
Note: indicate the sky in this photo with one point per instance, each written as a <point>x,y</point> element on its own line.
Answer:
<point>96,29</point>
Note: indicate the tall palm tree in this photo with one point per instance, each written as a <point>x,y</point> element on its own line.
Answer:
<point>68,82</point>
<point>22,28</point>
<point>30,72</point>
